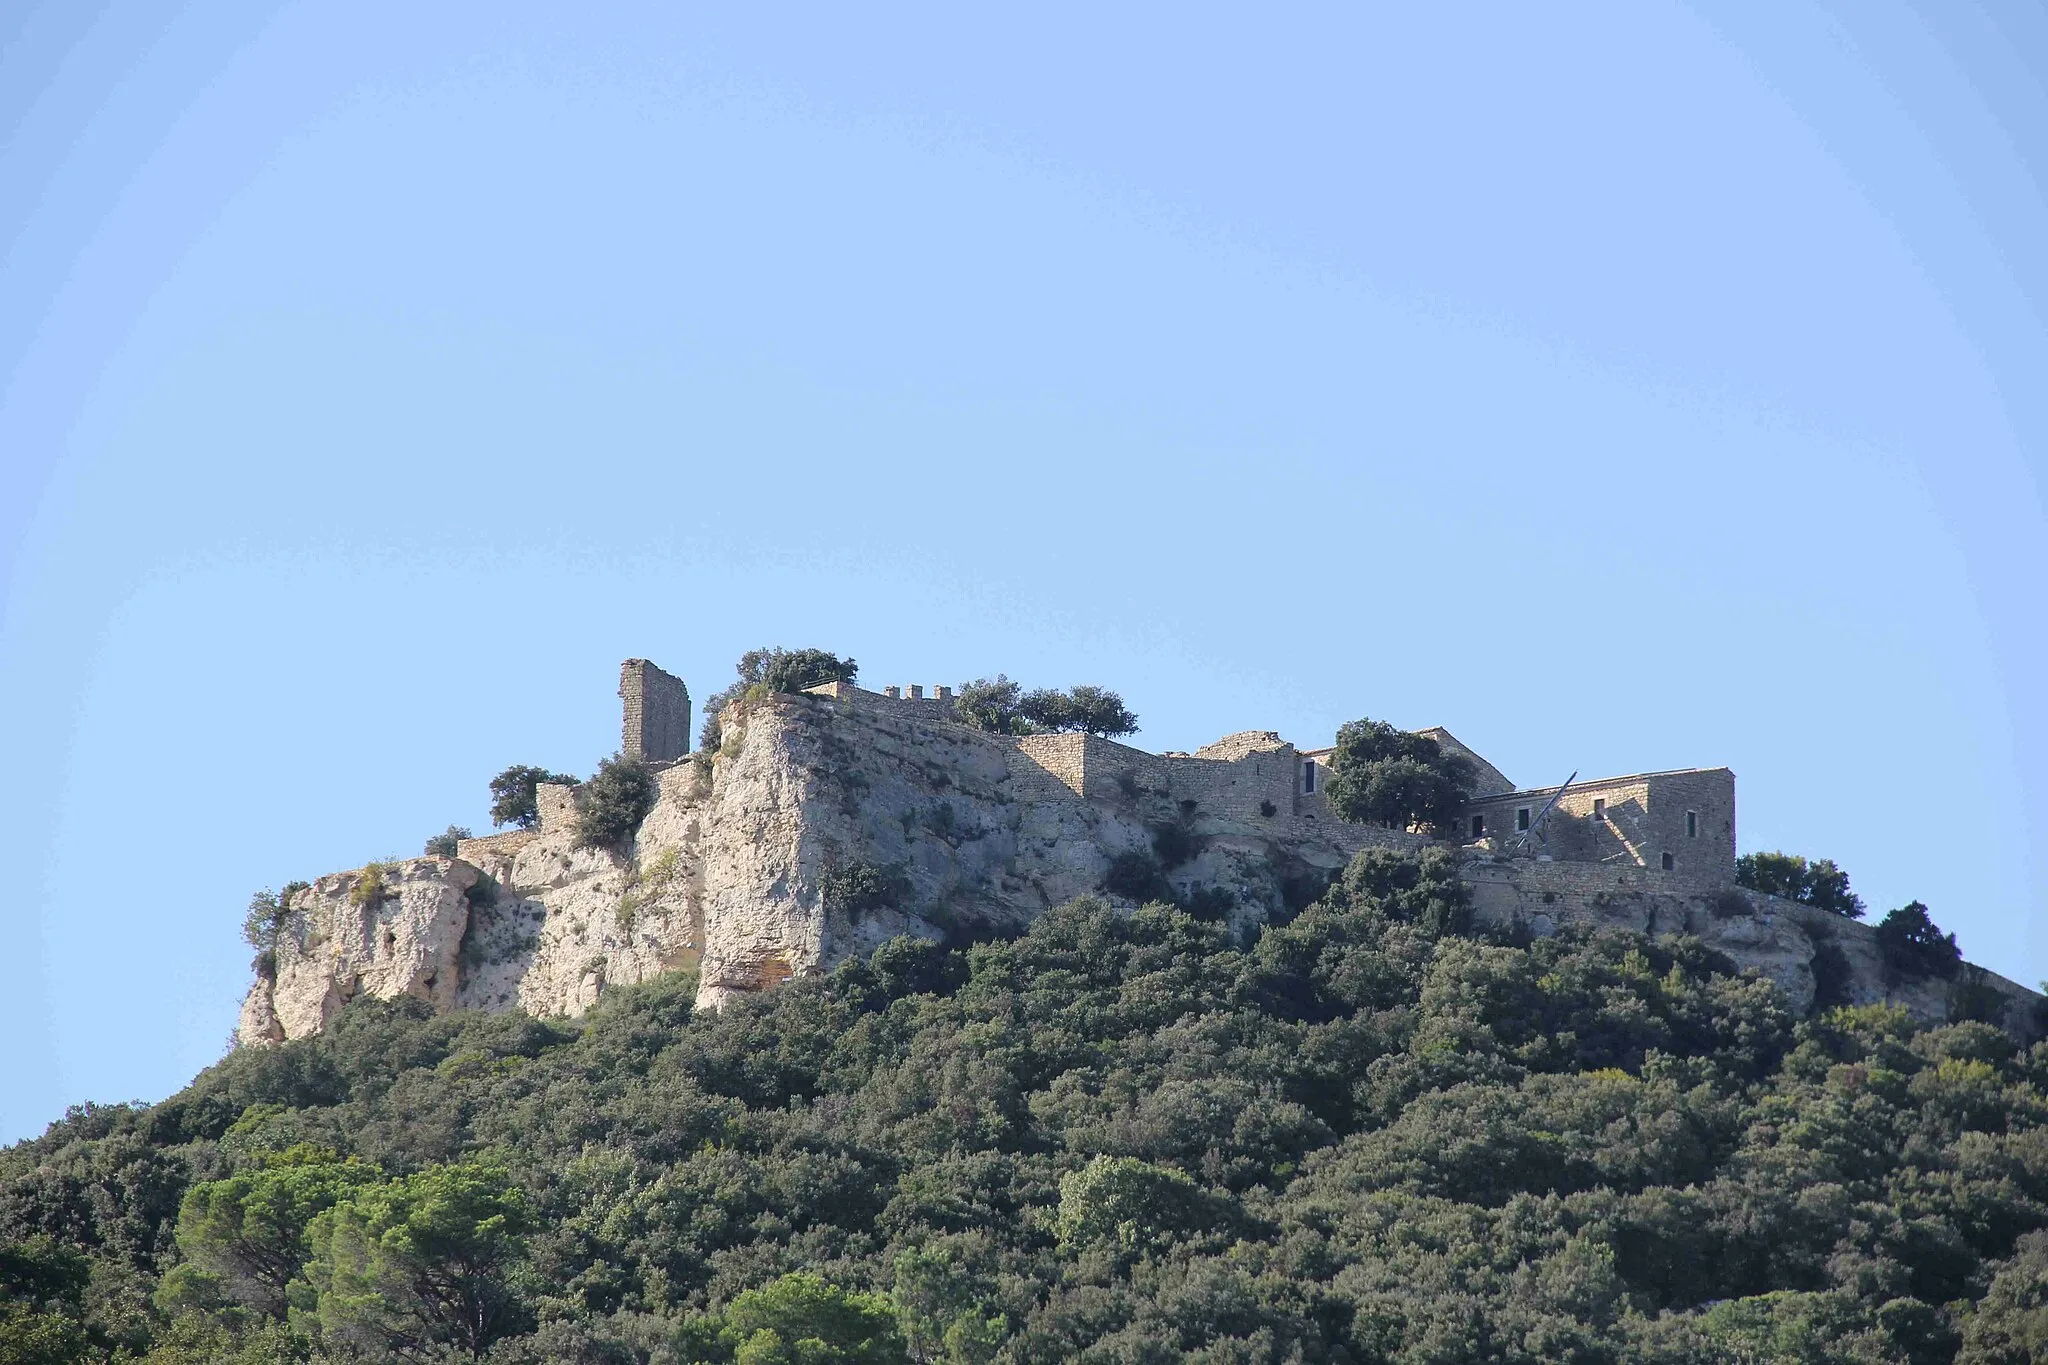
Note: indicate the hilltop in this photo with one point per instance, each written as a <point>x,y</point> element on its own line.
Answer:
<point>873,1032</point>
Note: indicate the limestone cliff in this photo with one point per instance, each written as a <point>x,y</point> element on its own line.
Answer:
<point>828,824</point>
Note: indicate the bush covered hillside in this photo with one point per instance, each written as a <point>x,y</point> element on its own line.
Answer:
<point>1368,1135</point>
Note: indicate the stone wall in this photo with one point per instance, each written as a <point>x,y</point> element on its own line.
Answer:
<point>657,713</point>
<point>1688,815</point>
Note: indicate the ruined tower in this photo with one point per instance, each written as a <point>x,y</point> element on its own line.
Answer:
<point>657,713</point>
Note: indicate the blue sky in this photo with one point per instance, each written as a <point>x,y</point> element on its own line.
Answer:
<point>1624,386</point>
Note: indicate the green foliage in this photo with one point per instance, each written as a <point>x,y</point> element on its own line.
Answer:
<point>1383,776</point>
<point>614,802</point>
<point>1819,883</point>
<point>1377,1133</point>
<point>443,845</point>
<point>992,704</point>
<point>513,801</point>
<point>260,924</point>
<point>859,888</point>
<point>372,885</point>
<point>1135,874</point>
<point>244,1237</point>
<point>420,1262</point>
<point>1913,945</point>
<point>799,1319</point>
<point>1084,708</point>
<point>771,670</point>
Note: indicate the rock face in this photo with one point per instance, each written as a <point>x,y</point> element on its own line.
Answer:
<point>827,824</point>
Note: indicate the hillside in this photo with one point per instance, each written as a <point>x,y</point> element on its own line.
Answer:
<point>1377,1133</point>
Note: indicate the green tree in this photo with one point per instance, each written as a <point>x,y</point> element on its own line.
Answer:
<point>422,1262</point>
<point>513,801</point>
<point>1383,776</point>
<point>772,670</point>
<point>42,1286</point>
<point>992,704</point>
<point>1130,1204</point>
<point>245,1238</point>
<point>443,845</point>
<point>1084,708</point>
<point>614,803</point>
<point>1820,883</point>
<point>1914,946</point>
<point>800,1320</point>
<point>2010,1326</point>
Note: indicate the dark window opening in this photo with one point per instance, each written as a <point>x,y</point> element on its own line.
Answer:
<point>1521,817</point>
<point>1308,777</point>
<point>1599,808</point>
<point>1478,826</point>
<point>1668,862</point>
<point>1692,824</point>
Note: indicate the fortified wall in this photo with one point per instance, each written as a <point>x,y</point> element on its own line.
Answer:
<point>744,867</point>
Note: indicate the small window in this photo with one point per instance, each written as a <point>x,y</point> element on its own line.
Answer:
<point>1599,808</point>
<point>1308,777</point>
<point>1669,862</point>
<point>1478,826</point>
<point>1692,824</point>
<point>1521,817</point>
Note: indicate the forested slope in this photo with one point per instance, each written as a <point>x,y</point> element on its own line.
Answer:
<point>1367,1135</point>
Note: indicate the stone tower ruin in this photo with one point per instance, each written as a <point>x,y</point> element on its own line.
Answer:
<point>657,713</point>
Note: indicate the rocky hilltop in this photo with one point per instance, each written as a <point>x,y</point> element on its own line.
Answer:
<point>830,821</point>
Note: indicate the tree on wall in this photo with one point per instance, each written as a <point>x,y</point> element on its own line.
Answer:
<point>513,801</point>
<point>773,669</point>
<point>1085,709</point>
<point>1820,883</point>
<point>614,803</point>
<point>1913,944</point>
<point>992,704</point>
<point>1384,776</point>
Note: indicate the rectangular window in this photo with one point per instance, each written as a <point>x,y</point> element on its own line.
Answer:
<point>1478,826</point>
<point>1521,817</point>
<point>1692,824</point>
<point>1308,777</point>
<point>1599,808</point>
<point>1668,861</point>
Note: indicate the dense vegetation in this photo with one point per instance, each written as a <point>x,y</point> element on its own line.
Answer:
<point>1371,1134</point>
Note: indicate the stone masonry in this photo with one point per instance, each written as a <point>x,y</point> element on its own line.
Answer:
<point>657,713</point>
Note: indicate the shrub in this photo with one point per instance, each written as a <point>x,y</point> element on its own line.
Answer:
<point>1732,904</point>
<point>442,845</point>
<point>1085,709</point>
<point>1832,973</point>
<point>1975,998</point>
<point>1820,883</point>
<point>1383,776</point>
<point>372,886</point>
<point>1135,875</point>
<point>857,888</point>
<point>1914,946</point>
<point>512,795</point>
<point>1175,843</point>
<point>771,670</point>
<point>615,801</point>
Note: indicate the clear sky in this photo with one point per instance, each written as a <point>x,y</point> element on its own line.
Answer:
<point>1624,386</point>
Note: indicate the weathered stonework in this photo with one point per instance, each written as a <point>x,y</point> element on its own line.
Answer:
<point>735,870</point>
<point>656,713</point>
